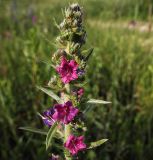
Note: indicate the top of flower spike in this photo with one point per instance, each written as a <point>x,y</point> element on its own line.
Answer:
<point>75,7</point>
<point>73,17</point>
<point>71,27</point>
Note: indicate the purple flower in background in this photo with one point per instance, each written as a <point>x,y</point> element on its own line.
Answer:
<point>75,144</point>
<point>48,117</point>
<point>34,19</point>
<point>65,112</point>
<point>67,70</point>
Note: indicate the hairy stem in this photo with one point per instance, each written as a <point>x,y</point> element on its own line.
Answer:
<point>67,133</point>
<point>67,130</point>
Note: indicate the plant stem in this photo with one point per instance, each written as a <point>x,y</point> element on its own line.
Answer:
<point>67,130</point>
<point>67,133</point>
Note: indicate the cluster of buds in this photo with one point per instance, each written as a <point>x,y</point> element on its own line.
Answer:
<point>69,62</point>
<point>72,30</point>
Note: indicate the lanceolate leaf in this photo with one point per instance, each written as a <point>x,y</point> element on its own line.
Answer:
<point>96,101</point>
<point>50,93</point>
<point>30,129</point>
<point>97,143</point>
<point>90,51</point>
<point>47,63</point>
<point>51,134</point>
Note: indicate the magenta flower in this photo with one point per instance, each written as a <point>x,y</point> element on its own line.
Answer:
<point>79,93</point>
<point>75,144</point>
<point>67,70</point>
<point>65,112</point>
<point>47,117</point>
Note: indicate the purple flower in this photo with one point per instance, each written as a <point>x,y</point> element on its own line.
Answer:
<point>65,112</point>
<point>79,93</point>
<point>48,117</point>
<point>80,72</point>
<point>54,157</point>
<point>67,70</point>
<point>75,144</point>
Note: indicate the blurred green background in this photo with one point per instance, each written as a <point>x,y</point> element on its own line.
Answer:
<point>120,71</point>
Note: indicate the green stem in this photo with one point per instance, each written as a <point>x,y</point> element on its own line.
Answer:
<point>67,131</point>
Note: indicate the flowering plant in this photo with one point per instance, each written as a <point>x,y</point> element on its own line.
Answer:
<point>65,118</point>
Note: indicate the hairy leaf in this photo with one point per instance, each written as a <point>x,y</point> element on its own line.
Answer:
<point>30,129</point>
<point>97,101</point>
<point>51,134</point>
<point>97,143</point>
<point>90,51</point>
<point>46,62</point>
<point>50,93</point>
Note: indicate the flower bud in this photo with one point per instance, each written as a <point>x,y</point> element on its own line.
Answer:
<point>52,81</point>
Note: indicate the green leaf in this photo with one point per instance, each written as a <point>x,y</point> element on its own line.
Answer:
<point>90,51</point>
<point>30,129</point>
<point>58,134</point>
<point>50,93</point>
<point>97,143</point>
<point>97,101</point>
<point>51,134</point>
<point>80,84</point>
<point>87,51</point>
<point>46,62</point>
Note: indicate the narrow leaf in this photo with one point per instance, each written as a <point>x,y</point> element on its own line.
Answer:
<point>30,129</point>
<point>97,101</point>
<point>50,93</point>
<point>51,134</point>
<point>97,143</point>
<point>46,62</point>
<point>90,51</point>
<point>87,51</point>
